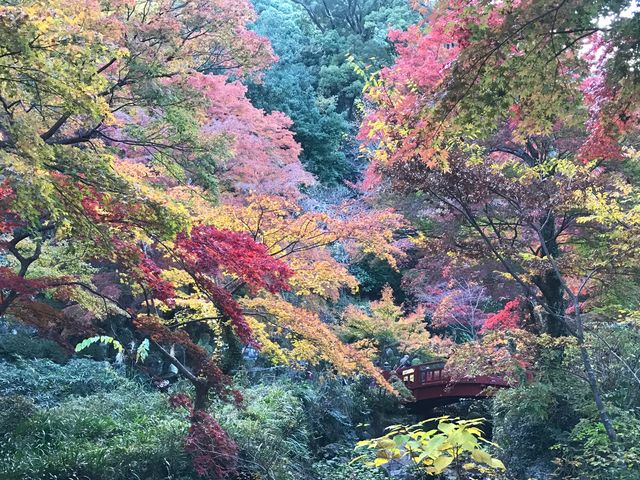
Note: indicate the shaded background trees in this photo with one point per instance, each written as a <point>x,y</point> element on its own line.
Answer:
<point>314,81</point>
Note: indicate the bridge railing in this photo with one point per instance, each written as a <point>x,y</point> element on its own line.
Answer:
<point>424,375</point>
<point>418,375</point>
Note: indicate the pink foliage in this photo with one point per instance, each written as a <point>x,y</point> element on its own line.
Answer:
<point>606,123</point>
<point>601,142</point>
<point>423,62</point>
<point>264,151</point>
<point>456,304</point>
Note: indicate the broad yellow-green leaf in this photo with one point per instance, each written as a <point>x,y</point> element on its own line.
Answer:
<point>401,439</point>
<point>380,461</point>
<point>446,428</point>
<point>434,444</point>
<point>481,456</point>
<point>442,462</point>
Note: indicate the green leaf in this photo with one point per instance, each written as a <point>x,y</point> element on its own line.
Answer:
<point>413,445</point>
<point>101,339</point>
<point>446,428</point>
<point>421,458</point>
<point>86,343</point>
<point>143,350</point>
<point>435,443</point>
<point>400,440</point>
<point>468,441</point>
<point>481,456</point>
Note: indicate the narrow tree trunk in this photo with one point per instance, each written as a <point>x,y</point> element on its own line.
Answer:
<point>6,303</point>
<point>595,390</point>
<point>591,376</point>
<point>550,284</point>
<point>232,357</point>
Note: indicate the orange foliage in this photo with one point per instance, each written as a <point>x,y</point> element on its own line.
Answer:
<point>313,340</point>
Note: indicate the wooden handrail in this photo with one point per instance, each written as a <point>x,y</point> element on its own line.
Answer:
<point>416,376</point>
<point>428,382</point>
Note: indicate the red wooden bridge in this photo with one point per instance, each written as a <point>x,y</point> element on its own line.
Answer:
<point>429,384</point>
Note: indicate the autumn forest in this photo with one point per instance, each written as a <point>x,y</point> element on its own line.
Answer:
<point>319,239</point>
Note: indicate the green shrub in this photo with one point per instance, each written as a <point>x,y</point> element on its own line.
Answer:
<point>19,343</point>
<point>48,383</point>
<point>340,468</point>
<point>588,453</point>
<point>13,411</point>
<point>527,421</point>
<point>120,435</point>
<point>290,423</point>
<point>272,432</point>
<point>331,409</point>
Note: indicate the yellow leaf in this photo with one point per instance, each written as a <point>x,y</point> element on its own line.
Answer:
<point>386,443</point>
<point>441,463</point>
<point>380,461</point>
<point>481,456</point>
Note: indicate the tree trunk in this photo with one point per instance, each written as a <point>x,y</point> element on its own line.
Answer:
<point>202,396</point>
<point>554,288</point>
<point>591,375</point>
<point>597,396</point>
<point>6,303</point>
<point>25,263</point>
<point>550,284</point>
<point>232,357</point>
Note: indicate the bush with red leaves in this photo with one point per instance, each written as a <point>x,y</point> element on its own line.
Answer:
<point>509,318</point>
<point>212,450</point>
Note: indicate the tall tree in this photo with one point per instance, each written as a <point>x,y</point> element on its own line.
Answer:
<point>508,120</point>
<point>121,121</point>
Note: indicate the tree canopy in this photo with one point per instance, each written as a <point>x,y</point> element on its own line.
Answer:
<point>237,236</point>
<point>515,122</point>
